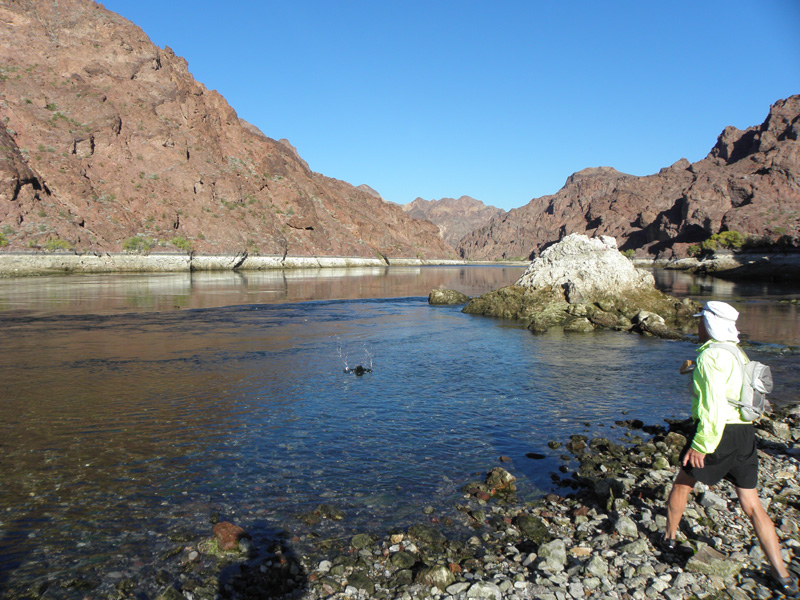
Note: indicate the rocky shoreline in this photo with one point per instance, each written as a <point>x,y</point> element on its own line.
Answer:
<point>727,265</point>
<point>19,264</point>
<point>598,540</point>
<point>595,540</point>
<point>774,265</point>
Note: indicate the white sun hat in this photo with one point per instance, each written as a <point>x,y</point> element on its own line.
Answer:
<point>720,321</point>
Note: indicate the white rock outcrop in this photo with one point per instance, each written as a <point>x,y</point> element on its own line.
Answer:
<point>585,268</point>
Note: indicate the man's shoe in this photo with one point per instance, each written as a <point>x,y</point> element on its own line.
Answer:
<point>667,544</point>
<point>785,585</point>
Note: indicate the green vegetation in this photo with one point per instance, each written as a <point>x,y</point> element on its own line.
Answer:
<point>138,245</point>
<point>3,240</point>
<point>211,547</point>
<point>735,241</point>
<point>629,253</point>
<point>181,243</point>
<point>730,240</point>
<point>4,71</point>
<point>55,244</point>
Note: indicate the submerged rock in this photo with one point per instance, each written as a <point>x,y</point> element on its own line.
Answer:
<point>228,535</point>
<point>443,296</point>
<point>583,284</point>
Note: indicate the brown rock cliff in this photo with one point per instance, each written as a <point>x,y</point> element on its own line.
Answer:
<point>749,182</point>
<point>109,142</point>
<point>455,217</point>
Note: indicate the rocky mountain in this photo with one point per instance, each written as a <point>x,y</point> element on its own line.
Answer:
<point>455,217</point>
<point>108,143</point>
<point>749,182</point>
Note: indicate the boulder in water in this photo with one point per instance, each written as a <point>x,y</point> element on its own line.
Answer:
<point>582,284</point>
<point>442,296</point>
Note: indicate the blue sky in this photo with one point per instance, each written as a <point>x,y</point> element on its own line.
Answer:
<point>499,100</point>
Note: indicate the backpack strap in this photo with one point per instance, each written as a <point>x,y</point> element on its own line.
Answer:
<point>737,352</point>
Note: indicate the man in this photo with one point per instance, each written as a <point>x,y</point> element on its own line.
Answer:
<point>724,444</point>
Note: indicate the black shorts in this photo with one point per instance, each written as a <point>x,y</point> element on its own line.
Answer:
<point>735,459</point>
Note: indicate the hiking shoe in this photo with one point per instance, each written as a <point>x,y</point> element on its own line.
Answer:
<point>666,544</point>
<point>785,585</point>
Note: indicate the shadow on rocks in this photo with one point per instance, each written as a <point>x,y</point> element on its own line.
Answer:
<point>270,569</point>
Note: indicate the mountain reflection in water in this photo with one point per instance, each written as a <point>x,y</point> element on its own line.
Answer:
<point>125,422</point>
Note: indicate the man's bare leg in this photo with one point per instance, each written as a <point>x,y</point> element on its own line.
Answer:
<point>676,503</point>
<point>765,529</point>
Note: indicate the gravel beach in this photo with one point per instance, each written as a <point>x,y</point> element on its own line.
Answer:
<point>595,540</point>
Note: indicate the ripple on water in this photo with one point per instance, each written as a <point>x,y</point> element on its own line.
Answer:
<point>125,430</point>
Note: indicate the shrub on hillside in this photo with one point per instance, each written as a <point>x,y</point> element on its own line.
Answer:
<point>181,243</point>
<point>55,244</point>
<point>138,245</point>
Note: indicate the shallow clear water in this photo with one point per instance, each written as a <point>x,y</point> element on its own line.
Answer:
<point>125,425</point>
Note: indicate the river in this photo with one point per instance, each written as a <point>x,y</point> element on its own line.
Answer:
<point>136,408</point>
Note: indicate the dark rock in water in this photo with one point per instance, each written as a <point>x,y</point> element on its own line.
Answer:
<point>441,296</point>
<point>577,443</point>
<point>426,534</point>
<point>535,455</point>
<point>323,511</point>
<point>499,480</point>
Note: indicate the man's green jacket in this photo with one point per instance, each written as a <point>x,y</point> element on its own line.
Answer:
<point>716,378</point>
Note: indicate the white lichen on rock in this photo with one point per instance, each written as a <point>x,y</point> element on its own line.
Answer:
<point>585,268</point>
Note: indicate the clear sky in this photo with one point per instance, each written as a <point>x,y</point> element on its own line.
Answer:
<point>498,100</point>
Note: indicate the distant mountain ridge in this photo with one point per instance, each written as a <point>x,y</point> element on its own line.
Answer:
<point>455,217</point>
<point>749,182</point>
<point>108,143</point>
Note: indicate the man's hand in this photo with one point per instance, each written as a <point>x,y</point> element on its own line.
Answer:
<point>694,459</point>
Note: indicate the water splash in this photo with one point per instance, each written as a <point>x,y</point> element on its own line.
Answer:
<point>365,366</point>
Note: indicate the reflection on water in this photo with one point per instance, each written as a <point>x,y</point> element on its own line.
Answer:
<point>766,316</point>
<point>124,424</point>
<point>104,293</point>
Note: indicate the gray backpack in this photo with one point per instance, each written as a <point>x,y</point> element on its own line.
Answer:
<point>756,384</point>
